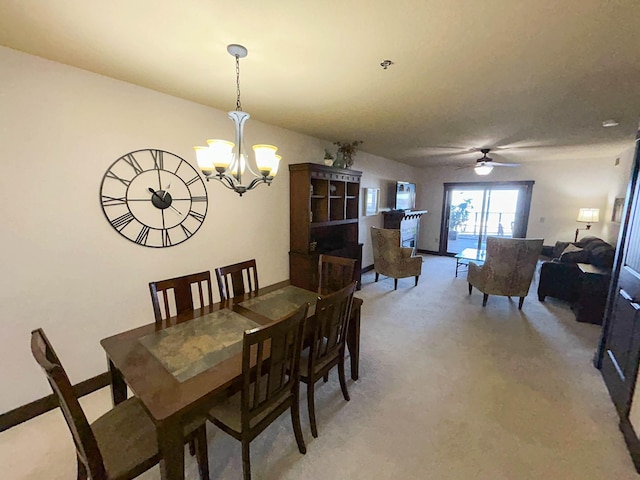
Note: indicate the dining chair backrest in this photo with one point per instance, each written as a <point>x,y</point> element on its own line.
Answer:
<point>330,327</point>
<point>334,273</point>
<point>239,278</point>
<point>271,365</point>
<point>86,445</point>
<point>182,291</point>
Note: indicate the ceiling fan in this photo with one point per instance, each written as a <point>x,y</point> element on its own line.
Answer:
<point>484,165</point>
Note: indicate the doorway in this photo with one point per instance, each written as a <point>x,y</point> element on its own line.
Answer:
<point>474,211</point>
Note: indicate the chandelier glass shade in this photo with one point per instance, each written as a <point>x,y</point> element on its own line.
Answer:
<point>227,161</point>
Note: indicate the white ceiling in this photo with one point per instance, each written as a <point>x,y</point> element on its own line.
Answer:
<point>539,75</point>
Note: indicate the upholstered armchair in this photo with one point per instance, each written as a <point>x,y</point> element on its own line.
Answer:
<point>508,269</point>
<point>392,260</point>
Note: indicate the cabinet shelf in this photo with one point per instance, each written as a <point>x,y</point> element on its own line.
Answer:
<point>333,222</point>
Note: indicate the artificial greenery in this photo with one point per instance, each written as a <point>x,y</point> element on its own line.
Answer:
<point>348,151</point>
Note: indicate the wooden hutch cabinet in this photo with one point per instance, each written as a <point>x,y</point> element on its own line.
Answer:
<point>324,204</point>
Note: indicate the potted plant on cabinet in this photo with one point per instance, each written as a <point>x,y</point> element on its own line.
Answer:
<point>458,215</point>
<point>328,158</point>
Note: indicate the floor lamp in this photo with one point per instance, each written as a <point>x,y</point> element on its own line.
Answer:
<point>588,216</point>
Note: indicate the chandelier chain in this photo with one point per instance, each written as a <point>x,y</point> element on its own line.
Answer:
<point>238,104</point>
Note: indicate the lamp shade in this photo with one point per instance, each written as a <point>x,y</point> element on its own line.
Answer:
<point>589,215</point>
<point>483,169</point>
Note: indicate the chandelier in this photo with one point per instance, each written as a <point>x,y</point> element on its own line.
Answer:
<point>226,161</point>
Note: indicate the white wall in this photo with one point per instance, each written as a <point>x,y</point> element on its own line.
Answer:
<point>558,194</point>
<point>378,172</point>
<point>619,183</point>
<point>64,267</point>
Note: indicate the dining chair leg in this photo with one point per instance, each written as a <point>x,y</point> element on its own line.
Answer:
<point>82,470</point>
<point>395,283</point>
<point>201,451</point>
<point>470,287</point>
<point>246,459</point>
<point>377,275</point>
<point>343,380</point>
<point>326,377</point>
<point>297,428</point>
<point>312,407</point>
<point>417,277</point>
<point>520,303</point>
<point>484,299</point>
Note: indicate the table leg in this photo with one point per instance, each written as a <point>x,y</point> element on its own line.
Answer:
<point>171,447</point>
<point>118,385</point>
<point>353,341</point>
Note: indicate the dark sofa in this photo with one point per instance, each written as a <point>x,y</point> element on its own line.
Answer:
<point>560,277</point>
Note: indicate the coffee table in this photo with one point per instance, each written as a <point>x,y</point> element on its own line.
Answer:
<point>469,254</point>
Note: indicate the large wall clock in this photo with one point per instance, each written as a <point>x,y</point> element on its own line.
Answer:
<point>153,198</point>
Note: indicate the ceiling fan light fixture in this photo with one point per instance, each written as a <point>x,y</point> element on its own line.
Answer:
<point>483,169</point>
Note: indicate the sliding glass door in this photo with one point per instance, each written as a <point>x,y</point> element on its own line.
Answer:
<point>473,211</point>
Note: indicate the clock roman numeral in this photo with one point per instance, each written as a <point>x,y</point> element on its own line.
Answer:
<point>193,180</point>
<point>122,221</point>
<point>124,181</point>
<point>143,235</point>
<point>198,216</point>
<point>133,163</point>
<point>186,231</point>
<point>199,199</point>
<point>166,240</point>
<point>112,201</point>
<point>158,159</point>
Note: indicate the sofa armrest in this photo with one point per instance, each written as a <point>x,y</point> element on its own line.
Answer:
<point>559,280</point>
<point>547,251</point>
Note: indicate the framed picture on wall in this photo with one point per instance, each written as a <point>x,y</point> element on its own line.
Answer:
<point>371,199</point>
<point>618,205</point>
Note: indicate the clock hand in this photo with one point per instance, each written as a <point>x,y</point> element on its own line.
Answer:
<point>162,200</point>
<point>175,209</point>
<point>166,190</point>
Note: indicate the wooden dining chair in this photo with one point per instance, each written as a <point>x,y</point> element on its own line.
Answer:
<point>334,273</point>
<point>327,348</point>
<point>181,290</point>
<point>239,278</point>
<point>121,444</point>
<point>270,383</point>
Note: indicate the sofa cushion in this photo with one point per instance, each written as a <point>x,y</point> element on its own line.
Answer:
<point>602,256</point>
<point>574,254</point>
<point>559,248</point>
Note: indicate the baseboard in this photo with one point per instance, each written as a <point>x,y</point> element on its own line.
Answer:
<point>631,439</point>
<point>428,252</point>
<point>433,252</point>
<point>38,407</point>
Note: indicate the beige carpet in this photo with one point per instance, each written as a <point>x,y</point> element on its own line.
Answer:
<point>447,390</point>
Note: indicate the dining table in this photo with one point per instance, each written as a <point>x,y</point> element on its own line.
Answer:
<point>180,367</point>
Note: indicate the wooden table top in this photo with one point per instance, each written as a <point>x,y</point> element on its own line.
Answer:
<point>162,392</point>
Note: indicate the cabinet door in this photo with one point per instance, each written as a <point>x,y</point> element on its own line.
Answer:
<point>622,343</point>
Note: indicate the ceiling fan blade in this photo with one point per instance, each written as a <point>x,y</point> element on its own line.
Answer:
<point>498,164</point>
